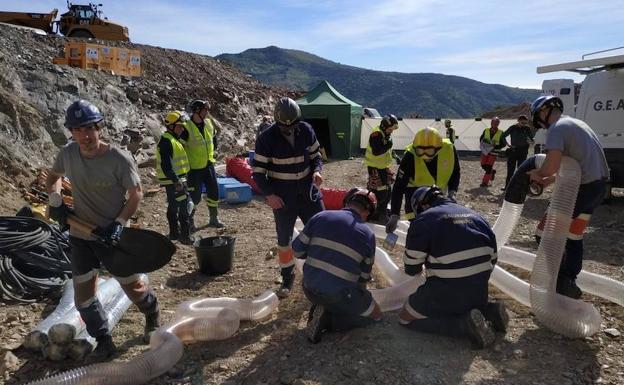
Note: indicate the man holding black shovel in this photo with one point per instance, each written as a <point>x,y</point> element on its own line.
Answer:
<point>101,176</point>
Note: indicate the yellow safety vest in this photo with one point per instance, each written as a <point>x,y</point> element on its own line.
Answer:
<point>200,150</point>
<point>382,161</point>
<point>446,164</point>
<point>179,160</point>
<point>495,141</point>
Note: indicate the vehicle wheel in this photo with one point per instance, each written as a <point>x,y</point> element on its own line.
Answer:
<point>81,33</point>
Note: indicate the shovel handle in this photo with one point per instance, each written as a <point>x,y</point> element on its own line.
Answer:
<point>80,225</point>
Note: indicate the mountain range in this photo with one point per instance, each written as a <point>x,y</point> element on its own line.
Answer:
<point>428,95</point>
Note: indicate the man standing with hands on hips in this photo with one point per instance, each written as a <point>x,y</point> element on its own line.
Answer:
<point>287,168</point>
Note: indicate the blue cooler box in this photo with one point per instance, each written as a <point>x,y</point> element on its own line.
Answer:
<point>222,182</point>
<point>237,193</point>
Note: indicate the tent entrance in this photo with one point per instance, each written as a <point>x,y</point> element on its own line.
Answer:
<point>321,129</point>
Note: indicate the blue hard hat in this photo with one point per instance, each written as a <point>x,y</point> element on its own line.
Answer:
<point>542,102</point>
<point>424,195</point>
<point>82,113</point>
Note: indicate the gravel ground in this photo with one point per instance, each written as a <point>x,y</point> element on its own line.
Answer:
<point>275,350</point>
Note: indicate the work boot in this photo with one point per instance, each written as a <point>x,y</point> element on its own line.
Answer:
<point>187,239</point>
<point>174,230</point>
<point>286,287</point>
<point>496,314</point>
<point>104,350</point>
<point>152,322</point>
<point>567,286</point>
<point>478,330</point>
<point>214,220</point>
<point>319,322</point>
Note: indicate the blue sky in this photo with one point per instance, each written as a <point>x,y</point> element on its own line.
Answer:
<point>490,41</point>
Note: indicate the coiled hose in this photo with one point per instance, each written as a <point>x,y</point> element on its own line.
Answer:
<point>570,317</point>
<point>34,259</point>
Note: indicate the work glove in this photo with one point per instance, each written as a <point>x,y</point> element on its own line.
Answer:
<point>58,210</point>
<point>451,195</point>
<point>111,234</point>
<point>60,214</point>
<point>396,158</point>
<point>392,223</point>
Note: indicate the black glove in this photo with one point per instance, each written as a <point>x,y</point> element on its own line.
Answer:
<point>111,234</point>
<point>60,214</point>
<point>392,223</point>
<point>397,158</point>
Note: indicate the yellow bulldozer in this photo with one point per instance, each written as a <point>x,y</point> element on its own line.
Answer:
<point>83,21</point>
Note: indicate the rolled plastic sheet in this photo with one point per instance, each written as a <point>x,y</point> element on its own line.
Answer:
<point>570,317</point>
<point>166,345</point>
<point>595,284</point>
<point>71,324</point>
<point>139,370</point>
<point>247,309</point>
<point>39,335</point>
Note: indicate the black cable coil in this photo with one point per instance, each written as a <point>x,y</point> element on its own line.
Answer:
<point>34,259</point>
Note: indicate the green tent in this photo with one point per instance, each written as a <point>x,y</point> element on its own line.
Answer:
<point>337,120</point>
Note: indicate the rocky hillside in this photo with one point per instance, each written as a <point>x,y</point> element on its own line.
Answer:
<point>424,94</point>
<point>34,94</point>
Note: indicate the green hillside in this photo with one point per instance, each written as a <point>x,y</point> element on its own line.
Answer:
<point>427,94</point>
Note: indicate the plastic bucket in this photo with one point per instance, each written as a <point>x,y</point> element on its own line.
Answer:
<point>215,254</point>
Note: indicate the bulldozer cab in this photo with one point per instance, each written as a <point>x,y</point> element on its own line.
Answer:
<point>86,21</point>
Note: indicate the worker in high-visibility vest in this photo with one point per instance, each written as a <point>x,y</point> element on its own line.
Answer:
<point>378,158</point>
<point>427,161</point>
<point>490,143</point>
<point>200,141</point>
<point>172,167</point>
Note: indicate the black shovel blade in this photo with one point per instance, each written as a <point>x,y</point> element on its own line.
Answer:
<point>139,251</point>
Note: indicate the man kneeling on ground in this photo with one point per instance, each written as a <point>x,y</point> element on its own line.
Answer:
<point>339,249</point>
<point>458,249</point>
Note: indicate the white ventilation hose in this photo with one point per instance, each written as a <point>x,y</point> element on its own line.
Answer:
<point>570,317</point>
<point>167,344</point>
<point>595,284</point>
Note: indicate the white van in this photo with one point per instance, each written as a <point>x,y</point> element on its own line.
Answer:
<point>600,103</point>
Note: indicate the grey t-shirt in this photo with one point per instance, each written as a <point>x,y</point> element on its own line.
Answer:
<point>574,138</point>
<point>99,184</point>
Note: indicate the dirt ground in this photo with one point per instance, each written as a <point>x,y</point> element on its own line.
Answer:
<point>275,350</point>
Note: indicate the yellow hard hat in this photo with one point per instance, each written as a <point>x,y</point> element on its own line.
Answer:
<point>427,137</point>
<point>174,117</point>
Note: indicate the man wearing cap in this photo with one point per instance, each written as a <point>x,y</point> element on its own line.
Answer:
<point>428,160</point>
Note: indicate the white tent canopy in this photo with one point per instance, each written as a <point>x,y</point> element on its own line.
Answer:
<point>467,130</point>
